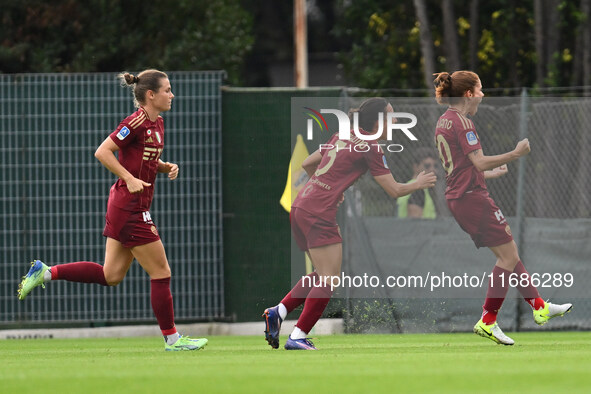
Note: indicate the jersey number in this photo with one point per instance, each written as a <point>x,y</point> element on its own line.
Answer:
<point>445,154</point>
<point>332,155</point>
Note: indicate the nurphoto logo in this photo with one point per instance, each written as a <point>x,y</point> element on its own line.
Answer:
<point>345,128</point>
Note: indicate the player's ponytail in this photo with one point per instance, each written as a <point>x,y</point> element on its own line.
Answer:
<point>144,81</point>
<point>128,79</point>
<point>368,112</point>
<point>450,88</point>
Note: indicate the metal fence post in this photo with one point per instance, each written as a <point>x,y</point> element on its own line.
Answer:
<point>519,216</point>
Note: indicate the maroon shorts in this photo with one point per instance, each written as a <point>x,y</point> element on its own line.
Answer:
<point>129,228</point>
<point>310,231</point>
<point>478,215</point>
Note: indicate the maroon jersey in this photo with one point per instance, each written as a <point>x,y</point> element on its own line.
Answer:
<point>140,143</point>
<point>455,137</point>
<point>343,162</point>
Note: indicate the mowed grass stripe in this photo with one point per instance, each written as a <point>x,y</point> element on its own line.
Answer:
<point>539,362</point>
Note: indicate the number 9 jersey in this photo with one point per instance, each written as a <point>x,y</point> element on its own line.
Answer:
<point>455,138</point>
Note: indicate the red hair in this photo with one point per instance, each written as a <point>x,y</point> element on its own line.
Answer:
<point>448,87</point>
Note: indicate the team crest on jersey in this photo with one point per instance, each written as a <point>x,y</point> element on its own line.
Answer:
<point>471,137</point>
<point>158,137</point>
<point>385,162</point>
<point>124,132</point>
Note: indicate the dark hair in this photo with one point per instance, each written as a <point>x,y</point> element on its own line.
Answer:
<point>423,153</point>
<point>368,112</point>
<point>144,81</point>
<point>450,89</point>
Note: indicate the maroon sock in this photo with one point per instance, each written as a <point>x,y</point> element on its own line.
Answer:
<point>315,304</point>
<point>161,298</point>
<point>529,292</point>
<point>81,271</point>
<point>498,285</point>
<point>298,294</point>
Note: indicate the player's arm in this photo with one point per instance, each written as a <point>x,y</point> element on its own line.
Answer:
<point>105,153</point>
<point>414,211</point>
<point>416,202</point>
<point>485,163</point>
<point>310,163</point>
<point>496,172</point>
<point>395,189</point>
<point>172,169</point>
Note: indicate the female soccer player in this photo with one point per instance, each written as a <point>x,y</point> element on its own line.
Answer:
<point>313,218</point>
<point>468,199</point>
<point>129,229</point>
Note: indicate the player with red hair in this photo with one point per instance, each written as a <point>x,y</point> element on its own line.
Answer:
<point>468,200</point>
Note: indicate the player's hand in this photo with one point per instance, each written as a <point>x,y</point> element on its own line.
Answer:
<point>499,171</point>
<point>522,147</point>
<point>172,169</point>
<point>341,200</point>
<point>425,180</point>
<point>136,185</point>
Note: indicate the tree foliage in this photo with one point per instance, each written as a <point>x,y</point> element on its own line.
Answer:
<point>384,50</point>
<point>115,35</point>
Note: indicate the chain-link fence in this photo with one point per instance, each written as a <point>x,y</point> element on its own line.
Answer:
<point>53,196</point>
<point>544,196</point>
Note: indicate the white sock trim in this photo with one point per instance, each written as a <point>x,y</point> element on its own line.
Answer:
<point>47,275</point>
<point>297,333</point>
<point>172,338</point>
<point>282,311</point>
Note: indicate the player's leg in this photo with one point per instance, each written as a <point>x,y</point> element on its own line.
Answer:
<point>299,292</point>
<point>327,261</point>
<point>274,316</point>
<point>118,259</point>
<point>117,262</point>
<point>542,310</point>
<point>498,286</point>
<point>301,224</point>
<point>152,258</point>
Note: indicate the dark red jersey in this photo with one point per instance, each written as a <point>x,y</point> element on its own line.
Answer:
<point>343,162</point>
<point>455,137</point>
<point>140,143</point>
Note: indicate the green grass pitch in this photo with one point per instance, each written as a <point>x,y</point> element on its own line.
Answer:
<point>553,362</point>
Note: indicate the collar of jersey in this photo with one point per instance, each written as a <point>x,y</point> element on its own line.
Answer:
<point>148,116</point>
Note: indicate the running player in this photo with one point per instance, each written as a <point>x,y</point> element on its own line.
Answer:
<point>313,218</point>
<point>129,228</point>
<point>467,198</point>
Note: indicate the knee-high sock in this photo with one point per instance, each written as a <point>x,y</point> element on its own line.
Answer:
<point>530,292</point>
<point>298,294</point>
<point>81,271</point>
<point>161,299</point>
<point>315,304</point>
<point>498,285</point>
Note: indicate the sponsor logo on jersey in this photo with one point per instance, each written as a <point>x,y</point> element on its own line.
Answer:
<point>124,132</point>
<point>149,140</point>
<point>471,137</point>
<point>147,217</point>
<point>500,217</point>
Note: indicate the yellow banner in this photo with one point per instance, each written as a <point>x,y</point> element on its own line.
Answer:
<point>296,175</point>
